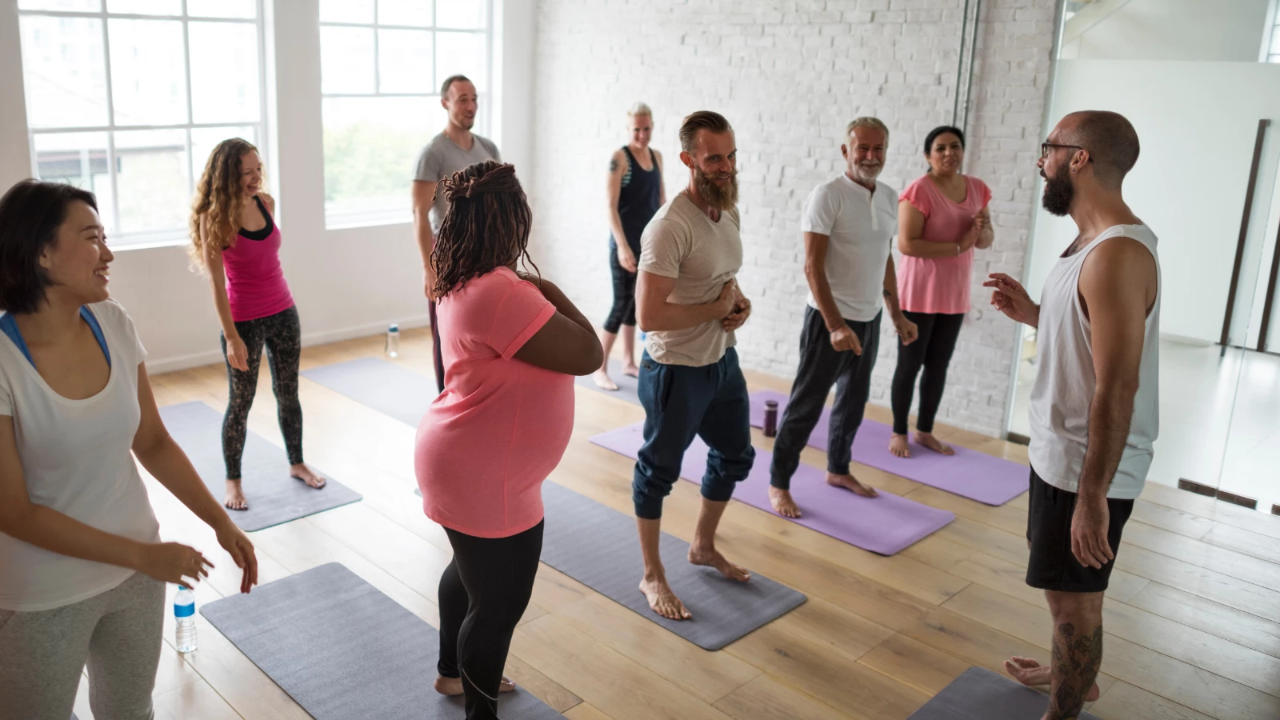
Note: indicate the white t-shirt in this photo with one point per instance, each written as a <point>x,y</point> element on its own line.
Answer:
<point>76,459</point>
<point>861,225</point>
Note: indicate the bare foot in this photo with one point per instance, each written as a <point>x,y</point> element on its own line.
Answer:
<point>631,370</point>
<point>899,446</point>
<point>849,482</point>
<point>1031,673</point>
<point>453,686</point>
<point>603,382</point>
<point>307,475</point>
<point>235,496</point>
<point>782,503</point>
<point>933,443</point>
<point>713,558</point>
<point>662,600</point>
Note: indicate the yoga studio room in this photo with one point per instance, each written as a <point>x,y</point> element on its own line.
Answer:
<point>640,359</point>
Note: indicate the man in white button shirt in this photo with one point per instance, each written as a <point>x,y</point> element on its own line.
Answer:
<point>848,223</point>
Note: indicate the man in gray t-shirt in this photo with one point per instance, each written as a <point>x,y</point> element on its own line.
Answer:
<point>454,149</point>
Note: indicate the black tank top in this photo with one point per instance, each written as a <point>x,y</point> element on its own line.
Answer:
<point>265,232</point>
<point>638,199</point>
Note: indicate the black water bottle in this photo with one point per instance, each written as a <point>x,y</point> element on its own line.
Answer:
<point>770,418</point>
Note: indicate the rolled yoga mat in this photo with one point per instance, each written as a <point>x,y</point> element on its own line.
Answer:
<point>274,497</point>
<point>979,694</point>
<point>598,547</point>
<point>886,524</point>
<point>968,473</point>
<point>343,650</point>
<point>628,387</point>
<point>389,388</point>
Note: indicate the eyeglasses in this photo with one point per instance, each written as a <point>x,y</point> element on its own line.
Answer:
<point>1046,147</point>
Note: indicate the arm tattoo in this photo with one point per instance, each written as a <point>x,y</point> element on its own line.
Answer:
<point>613,164</point>
<point>1076,660</point>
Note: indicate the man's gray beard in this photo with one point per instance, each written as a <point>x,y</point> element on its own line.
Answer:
<point>717,196</point>
<point>862,175</point>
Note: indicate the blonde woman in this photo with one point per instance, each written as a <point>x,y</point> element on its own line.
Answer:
<point>635,193</point>
<point>237,242</point>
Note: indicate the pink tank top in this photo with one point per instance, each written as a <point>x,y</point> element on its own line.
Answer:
<point>255,281</point>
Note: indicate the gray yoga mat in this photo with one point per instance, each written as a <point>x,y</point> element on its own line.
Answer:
<point>628,387</point>
<point>389,388</point>
<point>274,497</point>
<point>598,547</point>
<point>342,649</point>
<point>979,694</point>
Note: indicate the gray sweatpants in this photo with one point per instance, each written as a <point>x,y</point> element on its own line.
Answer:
<point>117,632</point>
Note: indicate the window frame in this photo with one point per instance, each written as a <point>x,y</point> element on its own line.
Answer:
<point>169,236</point>
<point>396,216</point>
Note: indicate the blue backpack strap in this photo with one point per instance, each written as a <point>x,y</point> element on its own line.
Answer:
<point>89,317</point>
<point>10,327</point>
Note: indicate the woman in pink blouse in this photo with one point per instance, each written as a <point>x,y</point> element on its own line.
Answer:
<point>511,343</point>
<point>942,217</point>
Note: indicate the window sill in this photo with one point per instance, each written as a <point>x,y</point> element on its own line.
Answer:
<point>343,221</point>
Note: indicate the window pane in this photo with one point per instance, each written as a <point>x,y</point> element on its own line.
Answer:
<point>461,54</point>
<point>346,11</point>
<point>346,60</point>
<point>460,14</point>
<point>224,72</point>
<point>65,74</point>
<point>222,8</point>
<point>68,5</point>
<point>145,7</point>
<point>79,159</point>
<point>204,140</point>
<point>405,12</point>
<point>404,61</point>
<point>1275,40</point>
<point>153,179</point>
<point>370,147</point>
<point>148,83</point>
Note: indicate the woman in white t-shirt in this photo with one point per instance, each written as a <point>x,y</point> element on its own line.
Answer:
<point>82,566</point>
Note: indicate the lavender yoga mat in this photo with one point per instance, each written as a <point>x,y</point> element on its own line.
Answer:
<point>884,525</point>
<point>968,473</point>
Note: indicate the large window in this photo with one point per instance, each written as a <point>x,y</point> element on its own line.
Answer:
<point>382,63</point>
<point>127,99</point>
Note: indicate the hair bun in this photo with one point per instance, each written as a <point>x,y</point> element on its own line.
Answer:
<point>472,181</point>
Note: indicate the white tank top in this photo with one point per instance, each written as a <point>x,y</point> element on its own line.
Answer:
<point>1065,383</point>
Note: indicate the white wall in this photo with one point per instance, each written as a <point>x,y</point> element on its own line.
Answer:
<point>789,76</point>
<point>347,282</point>
<point>1223,30</point>
<point>1197,123</point>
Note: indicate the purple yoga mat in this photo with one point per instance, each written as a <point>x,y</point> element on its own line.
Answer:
<point>885,525</point>
<point>968,473</point>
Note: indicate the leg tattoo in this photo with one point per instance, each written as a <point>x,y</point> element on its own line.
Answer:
<point>1076,660</point>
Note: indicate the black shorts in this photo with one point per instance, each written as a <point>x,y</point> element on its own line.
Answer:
<point>1052,565</point>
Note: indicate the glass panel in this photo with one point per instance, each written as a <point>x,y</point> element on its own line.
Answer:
<point>145,7</point>
<point>204,140</point>
<point>153,178</point>
<point>67,5</point>
<point>1275,40</point>
<point>461,14</point>
<point>404,61</point>
<point>346,11</point>
<point>405,12</point>
<point>224,72</point>
<point>370,145</point>
<point>346,60</point>
<point>461,53</point>
<point>64,70</point>
<point>78,159</point>
<point>148,83</point>
<point>222,8</point>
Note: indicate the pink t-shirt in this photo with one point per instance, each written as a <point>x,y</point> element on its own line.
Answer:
<point>940,285</point>
<point>501,425</point>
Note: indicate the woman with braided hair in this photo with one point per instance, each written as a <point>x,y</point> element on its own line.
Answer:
<point>510,342</point>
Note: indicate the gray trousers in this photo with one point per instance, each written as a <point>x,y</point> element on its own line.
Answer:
<point>820,368</point>
<point>117,632</point>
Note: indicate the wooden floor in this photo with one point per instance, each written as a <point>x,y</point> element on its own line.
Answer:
<point>1192,617</point>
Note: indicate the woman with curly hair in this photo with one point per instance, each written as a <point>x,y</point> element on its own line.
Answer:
<point>236,240</point>
<point>510,342</point>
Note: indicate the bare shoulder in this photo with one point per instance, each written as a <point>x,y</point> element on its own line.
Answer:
<point>617,161</point>
<point>1120,267</point>
<point>658,154</point>
<point>269,201</point>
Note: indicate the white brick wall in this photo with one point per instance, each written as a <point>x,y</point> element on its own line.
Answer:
<point>789,75</point>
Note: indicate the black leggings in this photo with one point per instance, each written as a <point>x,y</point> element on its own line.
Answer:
<point>483,594</point>
<point>282,335</point>
<point>624,294</point>
<point>932,350</point>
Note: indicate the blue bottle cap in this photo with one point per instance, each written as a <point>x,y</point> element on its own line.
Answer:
<point>394,328</point>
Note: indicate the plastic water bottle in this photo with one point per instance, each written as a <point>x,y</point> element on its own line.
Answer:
<point>393,341</point>
<point>184,611</point>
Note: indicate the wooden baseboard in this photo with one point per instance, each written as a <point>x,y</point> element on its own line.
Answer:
<point>1240,500</point>
<point>1197,488</point>
<point>1223,495</point>
<point>1015,438</point>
